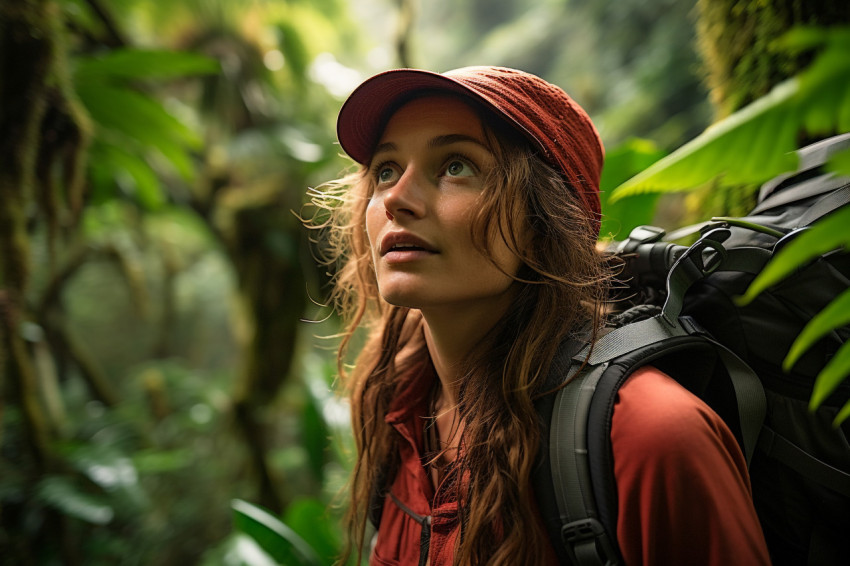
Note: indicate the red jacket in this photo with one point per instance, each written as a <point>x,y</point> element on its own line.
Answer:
<point>682,483</point>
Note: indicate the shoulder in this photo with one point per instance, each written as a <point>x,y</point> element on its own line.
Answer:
<point>672,456</point>
<point>651,403</point>
<point>661,427</point>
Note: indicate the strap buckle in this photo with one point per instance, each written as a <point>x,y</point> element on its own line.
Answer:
<point>587,542</point>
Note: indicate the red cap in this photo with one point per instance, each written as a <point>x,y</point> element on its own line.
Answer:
<point>541,111</point>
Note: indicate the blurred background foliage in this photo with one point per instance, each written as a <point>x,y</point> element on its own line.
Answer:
<point>164,398</point>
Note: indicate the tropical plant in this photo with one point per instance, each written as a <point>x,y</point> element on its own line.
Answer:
<point>757,143</point>
<point>133,211</point>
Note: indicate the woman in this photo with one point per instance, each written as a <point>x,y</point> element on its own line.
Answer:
<point>465,244</point>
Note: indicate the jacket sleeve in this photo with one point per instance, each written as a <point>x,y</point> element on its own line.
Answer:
<point>682,483</point>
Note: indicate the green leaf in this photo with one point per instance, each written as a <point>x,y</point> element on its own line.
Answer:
<point>309,518</point>
<point>751,145</point>
<point>825,235</point>
<point>156,461</point>
<point>831,377</point>
<point>622,162</point>
<point>273,536</point>
<point>839,163</point>
<point>315,436</point>
<point>142,64</point>
<point>65,495</point>
<point>801,38</point>
<point>242,550</point>
<point>145,186</point>
<point>834,315</point>
<point>842,415</point>
<point>757,142</point>
<point>123,112</point>
<point>825,91</point>
<point>294,50</point>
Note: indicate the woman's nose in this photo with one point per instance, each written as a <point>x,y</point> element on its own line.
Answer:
<point>406,199</point>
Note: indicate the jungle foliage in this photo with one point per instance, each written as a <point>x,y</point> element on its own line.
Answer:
<point>163,398</point>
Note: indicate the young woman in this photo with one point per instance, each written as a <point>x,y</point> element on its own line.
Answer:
<point>465,245</point>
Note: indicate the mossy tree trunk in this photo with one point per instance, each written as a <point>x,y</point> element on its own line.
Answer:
<point>736,40</point>
<point>42,151</point>
<point>29,55</point>
<point>264,249</point>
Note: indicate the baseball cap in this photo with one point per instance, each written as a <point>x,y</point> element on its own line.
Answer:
<point>542,112</point>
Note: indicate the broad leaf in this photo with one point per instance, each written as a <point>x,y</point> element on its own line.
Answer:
<point>242,550</point>
<point>315,437</point>
<point>749,146</point>
<point>126,113</point>
<point>309,518</point>
<point>127,167</point>
<point>273,536</point>
<point>619,218</point>
<point>65,495</point>
<point>842,415</point>
<point>757,142</point>
<point>294,50</point>
<point>827,234</point>
<point>834,315</point>
<point>839,163</point>
<point>829,378</point>
<point>126,64</point>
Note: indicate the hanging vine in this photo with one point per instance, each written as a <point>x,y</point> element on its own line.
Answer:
<point>42,155</point>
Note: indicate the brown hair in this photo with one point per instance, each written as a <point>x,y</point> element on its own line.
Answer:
<point>563,281</point>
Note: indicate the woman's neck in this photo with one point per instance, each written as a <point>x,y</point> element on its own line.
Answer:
<point>451,334</point>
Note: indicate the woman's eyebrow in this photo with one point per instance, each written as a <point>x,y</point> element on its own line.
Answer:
<point>449,139</point>
<point>435,142</point>
<point>384,147</point>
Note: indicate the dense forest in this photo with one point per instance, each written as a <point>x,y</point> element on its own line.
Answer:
<point>166,362</point>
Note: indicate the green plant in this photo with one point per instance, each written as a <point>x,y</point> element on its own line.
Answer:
<point>757,143</point>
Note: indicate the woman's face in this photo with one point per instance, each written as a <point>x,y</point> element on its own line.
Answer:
<point>428,170</point>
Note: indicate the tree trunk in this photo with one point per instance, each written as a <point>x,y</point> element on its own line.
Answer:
<point>736,41</point>
<point>29,54</point>
<point>272,292</point>
<point>42,152</point>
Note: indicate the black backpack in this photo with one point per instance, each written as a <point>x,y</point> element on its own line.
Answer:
<point>685,318</point>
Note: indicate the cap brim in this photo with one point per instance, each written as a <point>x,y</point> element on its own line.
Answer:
<point>363,116</point>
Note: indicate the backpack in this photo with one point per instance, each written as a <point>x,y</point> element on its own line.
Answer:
<point>685,318</point>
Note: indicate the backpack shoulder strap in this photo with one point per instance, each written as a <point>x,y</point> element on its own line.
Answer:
<point>582,534</point>
<point>579,452</point>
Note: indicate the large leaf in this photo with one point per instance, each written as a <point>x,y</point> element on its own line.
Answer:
<point>294,50</point>
<point>839,163</point>
<point>829,378</point>
<point>66,495</point>
<point>315,437</point>
<point>749,146</point>
<point>242,550</point>
<point>273,536</point>
<point>622,162</point>
<point>830,233</point>
<point>757,142</point>
<point>123,64</point>
<point>124,113</point>
<point>835,315</point>
<point>131,172</point>
<point>309,518</point>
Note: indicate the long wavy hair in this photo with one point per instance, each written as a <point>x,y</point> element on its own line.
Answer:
<point>562,285</point>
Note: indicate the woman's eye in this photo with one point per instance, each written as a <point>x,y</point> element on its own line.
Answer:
<point>385,174</point>
<point>457,168</point>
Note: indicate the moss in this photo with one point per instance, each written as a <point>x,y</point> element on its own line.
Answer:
<point>735,38</point>
<point>27,59</point>
<point>42,151</point>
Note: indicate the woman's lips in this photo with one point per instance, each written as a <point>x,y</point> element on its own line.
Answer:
<point>397,246</point>
<point>404,255</point>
